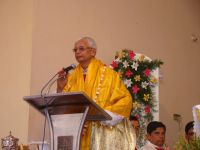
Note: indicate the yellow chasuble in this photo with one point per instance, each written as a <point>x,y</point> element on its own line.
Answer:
<point>104,86</point>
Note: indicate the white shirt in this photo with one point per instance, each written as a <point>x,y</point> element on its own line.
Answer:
<point>148,146</point>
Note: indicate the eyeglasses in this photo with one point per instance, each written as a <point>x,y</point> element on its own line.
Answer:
<point>81,49</point>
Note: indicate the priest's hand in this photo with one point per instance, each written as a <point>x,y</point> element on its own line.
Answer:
<point>115,119</point>
<point>61,81</point>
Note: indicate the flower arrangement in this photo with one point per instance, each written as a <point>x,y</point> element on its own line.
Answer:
<point>136,72</point>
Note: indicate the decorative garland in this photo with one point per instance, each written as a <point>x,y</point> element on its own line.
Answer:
<point>100,83</point>
<point>136,72</point>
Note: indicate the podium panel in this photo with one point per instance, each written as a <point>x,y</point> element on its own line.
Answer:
<point>65,130</point>
<point>66,114</point>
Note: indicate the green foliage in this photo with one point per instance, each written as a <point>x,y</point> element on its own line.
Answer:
<point>182,144</point>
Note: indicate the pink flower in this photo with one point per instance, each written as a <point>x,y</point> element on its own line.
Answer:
<point>131,54</point>
<point>135,89</point>
<point>114,64</point>
<point>137,116</point>
<point>147,72</point>
<point>128,73</point>
<point>147,109</point>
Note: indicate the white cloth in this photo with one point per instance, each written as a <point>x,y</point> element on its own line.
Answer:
<point>148,146</point>
<point>115,119</point>
<point>196,117</point>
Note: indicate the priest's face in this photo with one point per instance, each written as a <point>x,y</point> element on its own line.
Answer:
<point>83,52</point>
<point>157,137</point>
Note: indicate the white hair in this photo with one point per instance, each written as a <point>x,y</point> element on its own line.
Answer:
<point>90,41</point>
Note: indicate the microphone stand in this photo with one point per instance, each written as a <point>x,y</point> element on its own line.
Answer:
<point>47,116</point>
<point>50,85</point>
<point>46,111</point>
<point>41,93</point>
<point>66,70</point>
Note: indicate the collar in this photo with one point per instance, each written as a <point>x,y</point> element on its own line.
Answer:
<point>85,71</point>
<point>152,145</point>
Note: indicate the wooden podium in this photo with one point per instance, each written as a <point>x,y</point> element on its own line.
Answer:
<point>66,114</point>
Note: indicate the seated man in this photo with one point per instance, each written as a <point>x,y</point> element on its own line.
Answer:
<point>189,131</point>
<point>135,123</point>
<point>156,136</point>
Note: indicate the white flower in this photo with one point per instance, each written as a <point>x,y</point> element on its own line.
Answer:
<point>118,60</point>
<point>128,82</point>
<point>110,66</point>
<point>135,65</point>
<point>125,63</point>
<point>143,112</point>
<point>145,84</point>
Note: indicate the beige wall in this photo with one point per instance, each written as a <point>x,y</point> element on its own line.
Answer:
<point>15,64</point>
<point>159,29</point>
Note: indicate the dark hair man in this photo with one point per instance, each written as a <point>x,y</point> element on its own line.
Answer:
<point>189,131</point>
<point>135,123</point>
<point>156,136</point>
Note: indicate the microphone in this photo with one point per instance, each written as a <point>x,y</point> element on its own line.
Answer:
<point>66,70</point>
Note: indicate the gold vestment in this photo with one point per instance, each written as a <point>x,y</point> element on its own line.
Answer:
<point>104,86</point>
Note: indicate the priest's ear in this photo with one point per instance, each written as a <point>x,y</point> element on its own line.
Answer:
<point>93,52</point>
